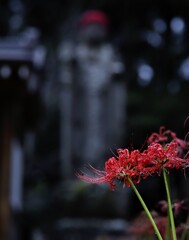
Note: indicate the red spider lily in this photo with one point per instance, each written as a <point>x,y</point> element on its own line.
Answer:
<point>166,156</point>
<point>162,207</point>
<point>164,136</point>
<point>179,206</point>
<point>142,226</point>
<point>136,165</point>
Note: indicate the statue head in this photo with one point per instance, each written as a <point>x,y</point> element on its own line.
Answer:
<point>93,27</point>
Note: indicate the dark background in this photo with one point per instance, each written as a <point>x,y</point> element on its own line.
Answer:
<point>161,98</point>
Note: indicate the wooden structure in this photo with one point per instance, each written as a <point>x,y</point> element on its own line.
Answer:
<point>20,58</point>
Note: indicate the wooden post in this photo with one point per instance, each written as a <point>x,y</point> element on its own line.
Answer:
<point>5,139</point>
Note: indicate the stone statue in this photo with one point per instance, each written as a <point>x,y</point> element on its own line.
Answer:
<point>93,96</point>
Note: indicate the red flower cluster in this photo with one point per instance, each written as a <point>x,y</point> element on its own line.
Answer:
<point>167,136</point>
<point>136,165</point>
<point>141,226</point>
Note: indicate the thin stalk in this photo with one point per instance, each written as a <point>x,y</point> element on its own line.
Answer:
<point>146,210</point>
<point>172,222</point>
<point>185,234</point>
<point>168,228</point>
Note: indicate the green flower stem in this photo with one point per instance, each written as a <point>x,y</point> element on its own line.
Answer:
<point>172,222</point>
<point>185,233</point>
<point>168,228</point>
<point>146,209</point>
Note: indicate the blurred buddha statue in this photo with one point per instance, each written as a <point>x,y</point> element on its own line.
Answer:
<point>93,101</point>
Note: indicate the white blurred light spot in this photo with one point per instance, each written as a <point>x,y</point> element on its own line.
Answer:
<point>24,72</point>
<point>177,25</point>
<point>16,6</point>
<point>153,38</point>
<point>184,69</point>
<point>39,56</point>
<point>159,25</point>
<point>118,67</point>
<point>16,22</point>
<point>145,74</point>
<point>5,71</point>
